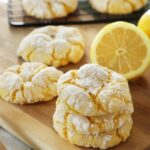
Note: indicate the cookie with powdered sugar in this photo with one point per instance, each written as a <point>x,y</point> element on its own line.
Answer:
<point>94,107</point>
<point>52,45</point>
<point>49,9</point>
<point>29,83</point>
<point>117,6</point>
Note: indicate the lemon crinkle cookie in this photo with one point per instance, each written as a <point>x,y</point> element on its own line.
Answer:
<point>29,83</point>
<point>117,6</point>
<point>49,9</point>
<point>93,108</point>
<point>56,46</point>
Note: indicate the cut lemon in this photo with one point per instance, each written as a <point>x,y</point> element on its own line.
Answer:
<point>144,23</point>
<point>122,47</point>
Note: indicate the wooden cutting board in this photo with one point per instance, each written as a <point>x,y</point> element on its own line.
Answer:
<point>33,123</point>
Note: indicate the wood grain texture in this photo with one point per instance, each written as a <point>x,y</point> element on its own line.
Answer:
<point>33,123</point>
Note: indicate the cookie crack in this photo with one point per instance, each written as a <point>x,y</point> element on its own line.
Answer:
<point>39,69</point>
<point>54,58</point>
<point>64,5</point>
<point>131,4</point>
<point>50,8</point>
<point>28,56</point>
<point>65,125</point>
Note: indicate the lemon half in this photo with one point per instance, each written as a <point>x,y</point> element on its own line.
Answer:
<point>122,47</point>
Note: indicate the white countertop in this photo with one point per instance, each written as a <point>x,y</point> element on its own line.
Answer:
<point>10,142</point>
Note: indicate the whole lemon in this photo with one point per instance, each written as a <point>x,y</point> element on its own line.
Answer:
<point>144,23</point>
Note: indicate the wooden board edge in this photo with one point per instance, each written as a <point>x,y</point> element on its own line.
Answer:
<point>2,147</point>
<point>29,130</point>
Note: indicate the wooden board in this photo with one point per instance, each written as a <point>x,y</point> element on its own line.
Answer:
<point>2,146</point>
<point>33,123</point>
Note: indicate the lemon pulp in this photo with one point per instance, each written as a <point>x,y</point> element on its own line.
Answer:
<point>122,47</point>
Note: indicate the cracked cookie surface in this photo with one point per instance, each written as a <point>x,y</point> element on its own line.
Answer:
<point>94,107</point>
<point>51,45</point>
<point>117,6</point>
<point>49,9</point>
<point>29,83</point>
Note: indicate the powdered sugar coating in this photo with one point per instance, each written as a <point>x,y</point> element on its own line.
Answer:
<point>56,46</point>
<point>49,9</point>
<point>96,106</point>
<point>117,6</point>
<point>29,83</point>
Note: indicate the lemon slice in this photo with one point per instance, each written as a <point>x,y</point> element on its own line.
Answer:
<point>123,48</point>
<point>144,23</point>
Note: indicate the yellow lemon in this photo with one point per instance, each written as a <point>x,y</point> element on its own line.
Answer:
<point>144,23</point>
<point>122,47</point>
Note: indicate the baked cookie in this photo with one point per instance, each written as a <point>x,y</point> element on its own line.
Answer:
<point>93,108</point>
<point>29,83</point>
<point>117,6</point>
<point>49,9</point>
<point>51,45</point>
